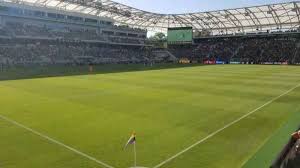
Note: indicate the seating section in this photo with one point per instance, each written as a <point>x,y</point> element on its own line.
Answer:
<point>19,30</point>
<point>252,50</point>
<point>32,52</point>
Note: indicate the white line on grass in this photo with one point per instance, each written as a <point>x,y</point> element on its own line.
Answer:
<point>56,142</point>
<point>226,126</point>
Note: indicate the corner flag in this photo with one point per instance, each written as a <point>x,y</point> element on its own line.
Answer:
<point>131,140</point>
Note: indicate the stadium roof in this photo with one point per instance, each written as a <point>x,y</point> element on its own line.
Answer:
<point>281,16</point>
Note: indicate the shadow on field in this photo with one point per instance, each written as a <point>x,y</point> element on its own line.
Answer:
<point>34,71</point>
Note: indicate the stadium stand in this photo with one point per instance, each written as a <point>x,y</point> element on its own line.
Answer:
<point>266,49</point>
<point>21,22</point>
<point>35,35</point>
<point>51,34</point>
<point>53,52</point>
<point>163,55</point>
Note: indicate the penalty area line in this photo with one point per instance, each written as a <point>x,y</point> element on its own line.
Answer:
<point>223,128</point>
<point>55,142</point>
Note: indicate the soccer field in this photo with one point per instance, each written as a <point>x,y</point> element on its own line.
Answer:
<point>192,117</point>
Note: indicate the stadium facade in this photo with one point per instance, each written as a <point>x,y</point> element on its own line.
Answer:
<point>272,17</point>
<point>103,31</point>
<point>63,21</point>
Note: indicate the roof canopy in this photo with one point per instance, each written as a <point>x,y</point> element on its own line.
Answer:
<point>281,16</point>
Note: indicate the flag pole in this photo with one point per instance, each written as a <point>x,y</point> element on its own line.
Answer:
<point>134,153</point>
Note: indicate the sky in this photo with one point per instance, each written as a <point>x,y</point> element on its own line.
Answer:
<point>183,6</point>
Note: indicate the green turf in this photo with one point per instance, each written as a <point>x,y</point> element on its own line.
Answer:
<point>38,71</point>
<point>169,109</point>
<point>267,154</point>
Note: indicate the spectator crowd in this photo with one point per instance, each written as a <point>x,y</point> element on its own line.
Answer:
<point>15,53</point>
<point>256,50</point>
<point>32,44</point>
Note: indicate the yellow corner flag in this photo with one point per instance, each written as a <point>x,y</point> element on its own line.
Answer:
<point>131,140</point>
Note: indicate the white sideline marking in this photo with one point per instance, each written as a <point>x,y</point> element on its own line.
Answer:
<point>226,126</point>
<point>56,142</point>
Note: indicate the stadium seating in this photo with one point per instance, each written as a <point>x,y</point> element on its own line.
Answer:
<point>32,52</point>
<point>17,30</point>
<point>247,50</point>
<point>36,37</point>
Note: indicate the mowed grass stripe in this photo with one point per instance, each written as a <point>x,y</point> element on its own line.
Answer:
<point>230,147</point>
<point>55,141</point>
<point>21,148</point>
<point>223,128</point>
<point>61,126</point>
<point>269,150</point>
<point>169,109</point>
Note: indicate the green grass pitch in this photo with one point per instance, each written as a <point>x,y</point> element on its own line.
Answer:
<point>169,109</point>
